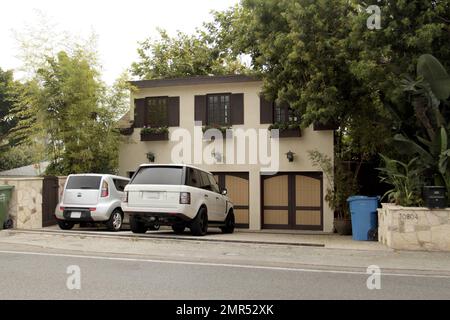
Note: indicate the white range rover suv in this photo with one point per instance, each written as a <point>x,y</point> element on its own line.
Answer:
<point>180,196</point>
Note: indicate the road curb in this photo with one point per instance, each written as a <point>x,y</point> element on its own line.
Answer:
<point>162,237</point>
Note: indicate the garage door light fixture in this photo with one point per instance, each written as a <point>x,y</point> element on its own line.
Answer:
<point>290,156</point>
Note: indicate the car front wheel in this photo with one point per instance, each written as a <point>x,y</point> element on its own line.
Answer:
<point>199,226</point>
<point>229,223</point>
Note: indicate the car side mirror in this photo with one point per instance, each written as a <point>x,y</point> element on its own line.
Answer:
<point>224,192</point>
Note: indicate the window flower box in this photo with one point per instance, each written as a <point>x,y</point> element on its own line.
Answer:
<point>154,134</point>
<point>287,130</point>
<point>225,134</point>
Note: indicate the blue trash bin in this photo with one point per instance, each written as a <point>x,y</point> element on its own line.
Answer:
<point>364,216</point>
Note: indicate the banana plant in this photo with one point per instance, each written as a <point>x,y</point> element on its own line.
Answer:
<point>406,180</point>
<point>434,73</point>
<point>432,155</point>
<point>427,91</point>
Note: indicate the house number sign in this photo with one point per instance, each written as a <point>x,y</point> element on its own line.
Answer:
<point>409,216</point>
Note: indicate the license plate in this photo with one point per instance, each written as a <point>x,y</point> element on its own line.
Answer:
<point>75,214</point>
<point>151,195</point>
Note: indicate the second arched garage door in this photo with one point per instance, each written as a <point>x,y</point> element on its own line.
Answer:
<point>292,201</point>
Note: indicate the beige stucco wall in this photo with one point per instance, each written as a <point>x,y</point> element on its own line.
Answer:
<point>25,206</point>
<point>133,151</point>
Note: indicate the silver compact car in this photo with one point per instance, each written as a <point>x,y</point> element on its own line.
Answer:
<point>92,198</point>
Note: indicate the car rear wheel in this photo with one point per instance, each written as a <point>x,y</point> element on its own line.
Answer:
<point>137,226</point>
<point>115,221</point>
<point>199,226</point>
<point>229,223</point>
<point>178,228</point>
<point>65,225</point>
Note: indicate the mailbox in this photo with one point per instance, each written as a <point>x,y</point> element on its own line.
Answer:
<point>435,197</point>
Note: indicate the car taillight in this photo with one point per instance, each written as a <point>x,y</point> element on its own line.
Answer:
<point>125,196</point>
<point>185,198</point>
<point>92,209</point>
<point>105,191</point>
<point>61,208</point>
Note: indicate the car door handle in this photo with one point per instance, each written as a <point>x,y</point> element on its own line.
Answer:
<point>206,196</point>
<point>217,198</point>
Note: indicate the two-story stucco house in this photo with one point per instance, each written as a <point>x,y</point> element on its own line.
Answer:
<point>290,198</point>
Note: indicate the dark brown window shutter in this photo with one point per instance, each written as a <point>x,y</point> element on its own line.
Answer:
<point>237,108</point>
<point>200,109</point>
<point>139,113</point>
<point>174,111</point>
<point>265,110</point>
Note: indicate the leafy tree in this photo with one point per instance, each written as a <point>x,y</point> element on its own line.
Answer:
<point>183,55</point>
<point>12,154</point>
<point>321,58</point>
<point>63,110</point>
<point>18,156</point>
<point>70,109</point>
<point>7,98</point>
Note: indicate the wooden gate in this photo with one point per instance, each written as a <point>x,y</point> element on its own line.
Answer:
<point>49,200</point>
<point>292,201</point>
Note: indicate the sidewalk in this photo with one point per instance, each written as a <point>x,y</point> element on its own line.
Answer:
<point>292,238</point>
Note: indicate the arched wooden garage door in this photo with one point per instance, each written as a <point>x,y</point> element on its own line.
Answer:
<point>292,201</point>
<point>238,191</point>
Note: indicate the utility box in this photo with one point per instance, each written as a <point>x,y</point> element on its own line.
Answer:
<point>435,197</point>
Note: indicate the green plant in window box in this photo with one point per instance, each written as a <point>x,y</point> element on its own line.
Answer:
<point>154,130</point>
<point>285,126</point>
<point>222,129</point>
<point>287,130</point>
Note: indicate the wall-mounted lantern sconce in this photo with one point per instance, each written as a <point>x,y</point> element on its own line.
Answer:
<point>290,156</point>
<point>151,156</point>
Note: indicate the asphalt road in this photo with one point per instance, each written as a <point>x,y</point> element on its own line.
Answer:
<point>37,274</point>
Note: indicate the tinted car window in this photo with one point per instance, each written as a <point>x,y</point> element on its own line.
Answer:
<point>206,184</point>
<point>213,182</point>
<point>159,175</point>
<point>84,182</point>
<point>120,184</point>
<point>193,178</point>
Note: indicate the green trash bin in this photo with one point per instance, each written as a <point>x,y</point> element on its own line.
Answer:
<point>5,196</point>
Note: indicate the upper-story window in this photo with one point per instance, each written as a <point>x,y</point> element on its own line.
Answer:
<point>218,109</point>
<point>157,111</point>
<point>284,114</point>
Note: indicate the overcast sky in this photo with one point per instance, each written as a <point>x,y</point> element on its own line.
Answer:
<point>119,24</point>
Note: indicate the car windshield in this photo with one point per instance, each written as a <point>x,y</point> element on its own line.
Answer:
<point>159,175</point>
<point>84,182</point>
